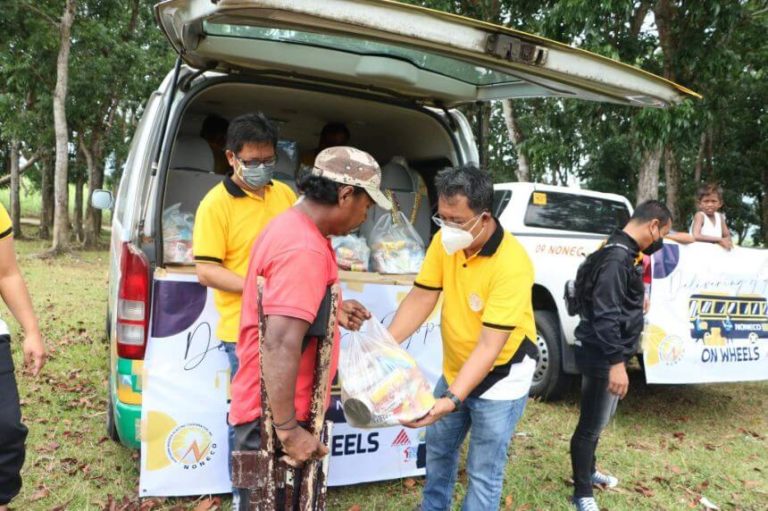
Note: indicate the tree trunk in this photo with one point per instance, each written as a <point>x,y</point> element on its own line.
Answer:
<point>700,158</point>
<point>523,172</point>
<point>672,179</point>
<point>710,157</point>
<point>61,185</point>
<point>78,221</point>
<point>15,185</point>
<point>484,132</point>
<point>648,179</point>
<point>46,191</point>
<point>95,181</point>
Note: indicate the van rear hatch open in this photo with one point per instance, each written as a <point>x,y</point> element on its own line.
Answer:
<point>381,46</point>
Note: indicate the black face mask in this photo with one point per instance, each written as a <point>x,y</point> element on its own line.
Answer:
<point>655,246</point>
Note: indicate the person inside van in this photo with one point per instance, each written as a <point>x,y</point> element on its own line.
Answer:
<point>295,257</point>
<point>333,134</point>
<point>232,215</point>
<point>13,433</point>
<point>214,131</point>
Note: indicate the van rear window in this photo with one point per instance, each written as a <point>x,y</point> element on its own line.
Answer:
<point>460,70</point>
<point>571,212</point>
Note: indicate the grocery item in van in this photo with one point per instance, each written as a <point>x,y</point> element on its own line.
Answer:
<point>381,385</point>
<point>352,252</point>
<point>177,234</point>
<point>396,247</point>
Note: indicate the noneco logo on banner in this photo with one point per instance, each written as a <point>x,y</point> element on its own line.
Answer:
<point>191,445</point>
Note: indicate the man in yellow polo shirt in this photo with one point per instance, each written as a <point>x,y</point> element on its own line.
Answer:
<point>230,218</point>
<point>488,329</point>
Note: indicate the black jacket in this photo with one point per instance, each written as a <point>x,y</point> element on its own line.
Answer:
<point>612,321</point>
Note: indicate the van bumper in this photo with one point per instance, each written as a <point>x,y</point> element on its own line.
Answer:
<point>126,396</point>
<point>128,423</point>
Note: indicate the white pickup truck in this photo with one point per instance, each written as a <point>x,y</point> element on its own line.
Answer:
<point>558,226</point>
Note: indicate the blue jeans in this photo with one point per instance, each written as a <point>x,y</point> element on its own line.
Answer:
<point>234,364</point>
<point>493,423</point>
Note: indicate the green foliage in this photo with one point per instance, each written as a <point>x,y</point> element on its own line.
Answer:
<point>118,57</point>
<point>715,48</point>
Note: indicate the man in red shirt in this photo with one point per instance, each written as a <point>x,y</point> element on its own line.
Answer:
<point>295,257</point>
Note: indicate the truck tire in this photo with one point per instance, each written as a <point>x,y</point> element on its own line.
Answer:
<point>549,380</point>
<point>111,426</point>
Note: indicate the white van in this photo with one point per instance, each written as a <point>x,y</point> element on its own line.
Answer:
<point>558,227</point>
<point>393,73</point>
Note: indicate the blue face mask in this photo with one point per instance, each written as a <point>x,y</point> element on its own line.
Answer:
<point>255,176</point>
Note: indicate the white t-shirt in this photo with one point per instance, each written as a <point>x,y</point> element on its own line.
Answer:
<point>515,385</point>
<point>710,228</point>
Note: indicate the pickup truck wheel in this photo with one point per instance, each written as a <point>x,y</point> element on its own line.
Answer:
<point>549,380</point>
<point>111,426</point>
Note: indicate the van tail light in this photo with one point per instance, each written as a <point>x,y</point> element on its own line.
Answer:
<point>133,303</point>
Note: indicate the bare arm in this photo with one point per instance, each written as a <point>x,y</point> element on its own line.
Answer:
<point>681,237</point>
<point>726,242</point>
<point>216,276</point>
<point>413,312</point>
<point>16,296</point>
<point>282,354</point>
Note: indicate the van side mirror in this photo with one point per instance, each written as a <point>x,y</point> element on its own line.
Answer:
<point>102,199</point>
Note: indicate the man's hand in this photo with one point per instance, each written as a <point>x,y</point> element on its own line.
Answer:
<point>442,407</point>
<point>618,381</point>
<point>726,243</point>
<point>300,446</point>
<point>353,314</point>
<point>34,352</point>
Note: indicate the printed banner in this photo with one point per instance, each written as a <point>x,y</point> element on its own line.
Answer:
<point>184,449</point>
<point>184,440</point>
<point>708,320</point>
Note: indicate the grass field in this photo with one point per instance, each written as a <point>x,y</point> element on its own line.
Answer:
<point>669,445</point>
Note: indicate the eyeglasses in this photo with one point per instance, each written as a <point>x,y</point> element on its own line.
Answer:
<point>444,223</point>
<point>269,162</point>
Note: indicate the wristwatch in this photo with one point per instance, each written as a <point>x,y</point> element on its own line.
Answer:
<point>455,400</point>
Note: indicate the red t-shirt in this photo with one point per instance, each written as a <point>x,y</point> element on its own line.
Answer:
<point>298,264</point>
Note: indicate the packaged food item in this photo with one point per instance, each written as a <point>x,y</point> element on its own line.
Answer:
<point>381,385</point>
<point>352,252</point>
<point>396,247</point>
<point>177,235</point>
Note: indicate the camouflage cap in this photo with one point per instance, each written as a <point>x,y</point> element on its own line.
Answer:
<point>350,166</point>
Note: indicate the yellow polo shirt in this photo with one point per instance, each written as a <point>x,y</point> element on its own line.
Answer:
<point>6,226</point>
<point>492,289</point>
<point>227,223</point>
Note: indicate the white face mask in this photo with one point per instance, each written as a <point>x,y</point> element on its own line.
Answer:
<point>455,239</point>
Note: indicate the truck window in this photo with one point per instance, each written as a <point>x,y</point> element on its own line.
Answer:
<point>500,200</point>
<point>571,212</point>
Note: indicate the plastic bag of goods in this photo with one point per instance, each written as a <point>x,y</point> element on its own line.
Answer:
<point>396,247</point>
<point>352,252</point>
<point>381,385</point>
<point>177,235</point>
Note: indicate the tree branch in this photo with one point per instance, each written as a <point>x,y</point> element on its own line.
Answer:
<point>31,161</point>
<point>22,169</point>
<point>42,13</point>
